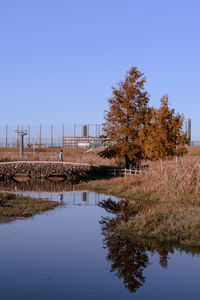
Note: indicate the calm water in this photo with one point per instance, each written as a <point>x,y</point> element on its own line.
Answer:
<point>65,254</point>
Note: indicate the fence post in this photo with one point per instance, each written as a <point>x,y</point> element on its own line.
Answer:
<point>6,135</point>
<point>33,147</point>
<point>51,136</point>
<point>29,134</point>
<point>18,137</point>
<point>63,130</point>
<point>40,136</point>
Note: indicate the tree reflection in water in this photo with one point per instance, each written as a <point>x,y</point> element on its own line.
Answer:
<point>126,259</point>
<point>128,256</point>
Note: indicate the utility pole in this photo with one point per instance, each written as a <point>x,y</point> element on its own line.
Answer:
<point>21,133</point>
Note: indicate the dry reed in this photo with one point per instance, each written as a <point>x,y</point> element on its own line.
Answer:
<point>170,191</point>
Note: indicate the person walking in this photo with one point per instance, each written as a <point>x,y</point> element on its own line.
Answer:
<point>61,155</point>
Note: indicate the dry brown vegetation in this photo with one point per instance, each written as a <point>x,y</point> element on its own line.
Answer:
<point>15,206</point>
<point>70,155</point>
<point>73,155</point>
<point>170,198</point>
<point>193,150</point>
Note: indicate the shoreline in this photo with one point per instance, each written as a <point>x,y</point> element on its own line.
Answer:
<point>15,206</point>
<point>163,206</point>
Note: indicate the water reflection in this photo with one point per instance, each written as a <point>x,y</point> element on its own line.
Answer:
<point>84,196</point>
<point>71,197</point>
<point>129,257</point>
<point>126,260</point>
<point>61,198</point>
<point>35,185</point>
<point>66,245</point>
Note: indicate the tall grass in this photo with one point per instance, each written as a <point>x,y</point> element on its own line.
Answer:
<point>166,181</point>
<point>170,180</point>
<point>170,196</point>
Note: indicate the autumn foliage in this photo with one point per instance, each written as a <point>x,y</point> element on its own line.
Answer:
<point>126,118</point>
<point>164,136</point>
<point>136,131</point>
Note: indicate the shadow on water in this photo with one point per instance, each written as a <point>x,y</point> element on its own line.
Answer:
<point>129,256</point>
<point>36,185</point>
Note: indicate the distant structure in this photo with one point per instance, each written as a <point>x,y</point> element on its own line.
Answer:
<point>84,131</point>
<point>188,129</point>
<point>21,132</point>
<point>88,137</point>
<point>84,136</point>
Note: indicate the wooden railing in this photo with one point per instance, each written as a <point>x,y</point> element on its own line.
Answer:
<point>123,172</point>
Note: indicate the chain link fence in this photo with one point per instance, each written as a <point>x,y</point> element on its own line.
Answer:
<point>49,136</point>
<point>56,136</point>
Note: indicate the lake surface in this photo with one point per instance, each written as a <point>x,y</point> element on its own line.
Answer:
<point>65,254</point>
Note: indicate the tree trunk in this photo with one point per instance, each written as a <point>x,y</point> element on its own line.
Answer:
<point>127,161</point>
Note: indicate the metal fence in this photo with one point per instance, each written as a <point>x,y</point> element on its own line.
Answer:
<point>46,136</point>
<point>195,143</point>
<point>63,135</point>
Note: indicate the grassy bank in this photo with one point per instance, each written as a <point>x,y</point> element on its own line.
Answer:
<point>70,155</point>
<point>48,154</point>
<point>167,202</point>
<point>15,206</point>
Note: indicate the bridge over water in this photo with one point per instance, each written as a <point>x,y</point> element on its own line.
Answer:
<point>49,169</point>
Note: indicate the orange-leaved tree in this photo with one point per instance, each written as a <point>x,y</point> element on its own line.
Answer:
<point>164,136</point>
<point>125,119</point>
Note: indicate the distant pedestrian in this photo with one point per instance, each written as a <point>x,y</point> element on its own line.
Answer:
<point>61,155</point>
<point>61,198</point>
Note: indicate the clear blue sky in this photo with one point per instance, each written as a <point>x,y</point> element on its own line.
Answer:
<point>59,58</point>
